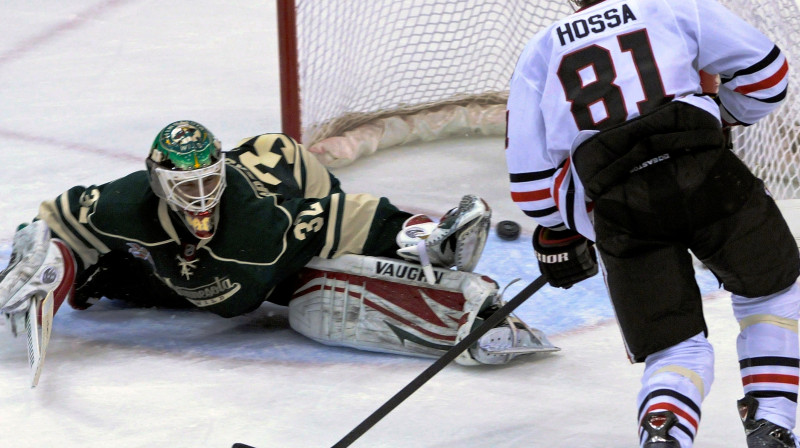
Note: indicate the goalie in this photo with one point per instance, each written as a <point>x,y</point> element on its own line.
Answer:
<point>226,231</point>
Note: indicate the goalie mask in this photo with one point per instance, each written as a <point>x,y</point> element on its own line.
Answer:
<point>186,168</point>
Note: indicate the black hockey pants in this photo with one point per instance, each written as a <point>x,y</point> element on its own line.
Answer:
<point>663,185</point>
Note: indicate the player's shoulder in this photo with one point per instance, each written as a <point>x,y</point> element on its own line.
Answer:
<point>532,59</point>
<point>265,164</point>
<point>125,208</point>
<point>133,188</point>
<point>264,141</point>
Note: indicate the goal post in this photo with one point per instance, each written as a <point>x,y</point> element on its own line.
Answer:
<point>359,75</point>
<point>289,73</point>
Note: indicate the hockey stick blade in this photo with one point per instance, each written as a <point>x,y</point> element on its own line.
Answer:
<point>442,362</point>
<point>38,334</point>
<point>32,335</point>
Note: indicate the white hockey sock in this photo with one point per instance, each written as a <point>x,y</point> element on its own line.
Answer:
<point>769,353</point>
<point>677,379</point>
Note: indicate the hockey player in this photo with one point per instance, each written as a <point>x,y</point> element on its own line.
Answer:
<point>226,231</point>
<point>611,142</point>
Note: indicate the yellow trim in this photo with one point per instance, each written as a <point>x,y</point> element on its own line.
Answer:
<point>49,214</point>
<point>330,235</point>
<point>318,177</point>
<point>93,240</point>
<point>782,322</point>
<point>357,219</point>
<point>166,223</point>
<point>290,148</point>
<point>683,371</point>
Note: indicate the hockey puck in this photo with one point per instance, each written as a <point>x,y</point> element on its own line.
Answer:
<point>508,230</point>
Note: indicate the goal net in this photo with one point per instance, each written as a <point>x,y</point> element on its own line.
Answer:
<point>358,75</point>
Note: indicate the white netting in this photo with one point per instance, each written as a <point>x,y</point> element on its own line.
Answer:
<point>367,67</point>
<point>381,61</point>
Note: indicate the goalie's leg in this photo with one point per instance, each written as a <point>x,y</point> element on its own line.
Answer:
<point>508,340</point>
<point>384,305</point>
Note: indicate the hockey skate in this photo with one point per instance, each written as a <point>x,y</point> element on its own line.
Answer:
<point>456,241</point>
<point>656,426</point>
<point>510,339</point>
<point>762,433</point>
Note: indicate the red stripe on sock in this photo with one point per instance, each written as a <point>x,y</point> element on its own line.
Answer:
<point>675,409</point>
<point>770,378</point>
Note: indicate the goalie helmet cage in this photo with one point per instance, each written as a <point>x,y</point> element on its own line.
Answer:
<point>358,75</point>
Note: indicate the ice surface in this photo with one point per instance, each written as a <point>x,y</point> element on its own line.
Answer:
<point>85,85</point>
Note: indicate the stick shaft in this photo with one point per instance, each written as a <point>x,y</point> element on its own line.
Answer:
<point>440,363</point>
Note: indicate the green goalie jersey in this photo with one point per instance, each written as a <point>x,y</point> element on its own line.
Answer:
<point>281,207</point>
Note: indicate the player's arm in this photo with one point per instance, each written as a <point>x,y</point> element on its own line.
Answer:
<point>317,180</point>
<point>51,252</point>
<point>534,174</point>
<point>281,165</point>
<point>68,215</point>
<point>753,70</point>
<point>537,175</point>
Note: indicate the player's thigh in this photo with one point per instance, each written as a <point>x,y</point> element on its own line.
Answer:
<point>752,252</point>
<point>654,293</point>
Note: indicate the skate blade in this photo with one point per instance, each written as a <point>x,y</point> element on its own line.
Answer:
<point>525,350</point>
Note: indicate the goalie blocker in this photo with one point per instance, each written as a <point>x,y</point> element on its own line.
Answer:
<point>387,305</point>
<point>37,280</point>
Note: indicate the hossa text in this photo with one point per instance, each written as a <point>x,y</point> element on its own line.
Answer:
<point>597,23</point>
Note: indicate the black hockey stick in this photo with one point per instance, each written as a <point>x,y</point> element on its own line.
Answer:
<point>440,363</point>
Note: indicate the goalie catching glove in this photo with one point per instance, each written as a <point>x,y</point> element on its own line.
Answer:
<point>565,256</point>
<point>39,265</point>
<point>456,241</point>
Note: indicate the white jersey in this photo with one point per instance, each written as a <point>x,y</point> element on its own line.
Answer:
<point>616,60</point>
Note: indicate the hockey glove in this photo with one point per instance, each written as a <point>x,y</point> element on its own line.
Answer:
<point>565,256</point>
<point>39,264</point>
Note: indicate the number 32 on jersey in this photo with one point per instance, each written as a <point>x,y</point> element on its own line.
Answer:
<point>302,227</point>
<point>591,82</point>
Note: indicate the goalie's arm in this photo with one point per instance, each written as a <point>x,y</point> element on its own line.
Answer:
<point>284,166</point>
<point>39,265</point>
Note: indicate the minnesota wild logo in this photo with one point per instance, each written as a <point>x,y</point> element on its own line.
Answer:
<point>187,260</point>
<point>184,136</point>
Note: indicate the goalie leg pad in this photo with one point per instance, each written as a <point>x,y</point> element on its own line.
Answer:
<point>510,339</point>
<point>383,305</point>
